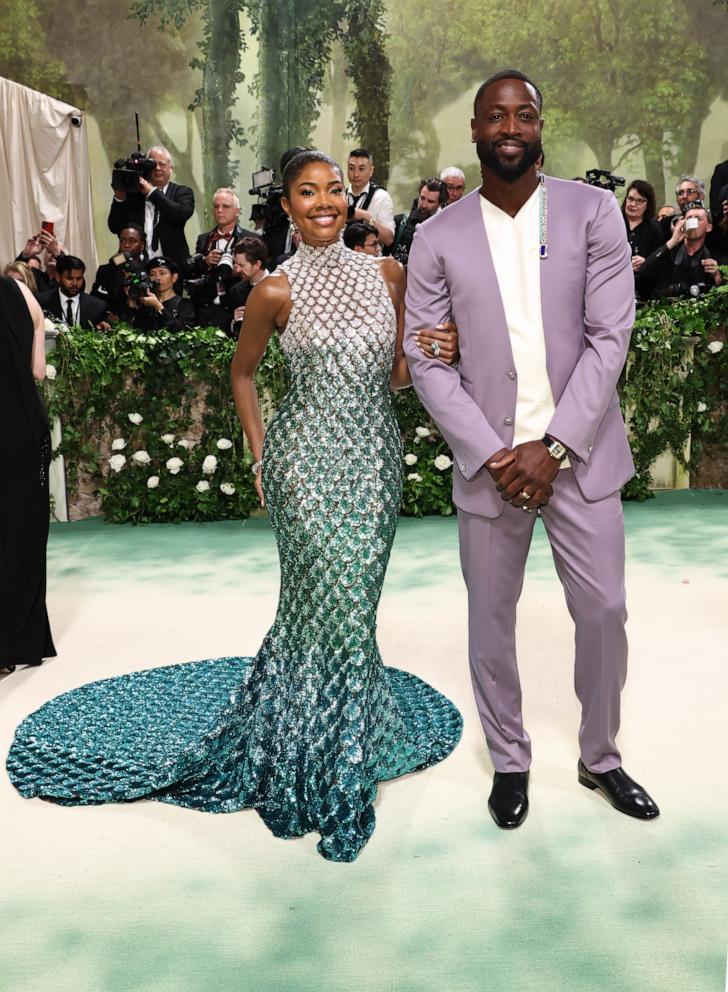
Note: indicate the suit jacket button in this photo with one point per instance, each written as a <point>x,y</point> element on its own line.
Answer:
<point>590,447</point>
<point>508,421</point>
<point>511,374</point>
<point>461,467</point>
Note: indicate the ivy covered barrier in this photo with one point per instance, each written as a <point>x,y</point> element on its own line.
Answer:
<point>149,423</point>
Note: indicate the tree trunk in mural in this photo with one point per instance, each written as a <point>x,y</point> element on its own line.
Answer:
<point>338,85</point>
<point>371,73</point>
<point>275,79</point>
<point>217,93</point>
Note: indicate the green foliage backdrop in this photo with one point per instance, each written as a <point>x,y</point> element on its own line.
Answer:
<point>167,396</point>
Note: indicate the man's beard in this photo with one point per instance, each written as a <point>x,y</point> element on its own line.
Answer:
<point>511,169</point>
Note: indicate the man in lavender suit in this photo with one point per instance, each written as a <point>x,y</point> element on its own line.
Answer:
<point>537,275</point>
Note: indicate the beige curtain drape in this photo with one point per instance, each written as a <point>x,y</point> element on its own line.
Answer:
<point>44,173</point>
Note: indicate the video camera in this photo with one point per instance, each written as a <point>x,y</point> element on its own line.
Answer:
<point>136,278</point>
<point>275,220</point>
<point>604,179</point>
<point>128,171</point>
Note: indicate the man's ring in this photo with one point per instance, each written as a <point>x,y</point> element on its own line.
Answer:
<point>435,348</point>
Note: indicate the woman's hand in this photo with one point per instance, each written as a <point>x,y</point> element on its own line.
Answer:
<point>259,486</point>
<point>444,340</point>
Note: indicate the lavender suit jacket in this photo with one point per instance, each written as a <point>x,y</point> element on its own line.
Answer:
<point>587,302</point>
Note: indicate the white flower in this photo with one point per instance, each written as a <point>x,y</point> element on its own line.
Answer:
<point>136,418</point>
<point>117,462</point>
<point>715,346</point>
<point>410,459</point>
<point>442,462</point>
<point>174,465</point>
<point>168,439</point>
<point>48,324</point>
<point>702,407</point>
<point>227,488</point>
<point>202,486</point>
<point>184,443</point>
<point>209,465</point>
<point>422,431</point>
<point>414,477</point>
<point>141,457</point>
<point>51,372</point>
<point>224,444</point>
<point>118,444</point>
<point>152,482</point>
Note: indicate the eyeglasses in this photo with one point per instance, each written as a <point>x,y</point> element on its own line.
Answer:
<point>686,192</point>
<point>455,186</point>
<point>636,199</point>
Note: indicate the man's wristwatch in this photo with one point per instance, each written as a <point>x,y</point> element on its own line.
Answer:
<point>555,448</point>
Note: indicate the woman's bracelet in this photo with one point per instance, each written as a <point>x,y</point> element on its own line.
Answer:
<point>256,467</point>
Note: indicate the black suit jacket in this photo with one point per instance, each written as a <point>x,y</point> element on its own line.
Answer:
<point>91,311</point>
<point>719,180</point>
<point>174,209</point>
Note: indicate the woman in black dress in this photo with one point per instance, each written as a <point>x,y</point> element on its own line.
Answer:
<point>25,453</point>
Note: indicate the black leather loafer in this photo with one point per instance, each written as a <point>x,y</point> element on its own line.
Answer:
<point>508,802</point>
<point>621,791</point>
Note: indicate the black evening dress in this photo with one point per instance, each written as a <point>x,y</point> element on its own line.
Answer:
<point>25,450</point>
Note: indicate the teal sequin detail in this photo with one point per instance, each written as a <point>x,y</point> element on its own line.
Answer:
<point>305,730</point>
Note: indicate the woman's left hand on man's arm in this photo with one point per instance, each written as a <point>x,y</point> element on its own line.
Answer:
<point>440,343</point>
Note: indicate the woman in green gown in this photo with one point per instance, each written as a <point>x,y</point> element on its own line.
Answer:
<point>304,731</point>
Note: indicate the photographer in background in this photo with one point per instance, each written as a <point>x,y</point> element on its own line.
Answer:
<point>160,207</point>
<point>362,237</point>
<point>44,242</point>
<point>684,266</point>
<point>210,269</point>
<point>160,307</point>
<point>454,180</point>
<point>717,239</point>
<point>643,232</point>
<point>250,258</point>
<point>68,303</point>
<point>689,190</point>
<point>431,199</point>
<point>367,201</point>
<point>109,282</point>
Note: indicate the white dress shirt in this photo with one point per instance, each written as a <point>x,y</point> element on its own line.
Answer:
<point>149,214</point>
<point>381,208</point>
<point>514,245</point>
<point>75,302</point>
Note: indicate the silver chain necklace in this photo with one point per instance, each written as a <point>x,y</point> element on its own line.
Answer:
<point>543,218</point>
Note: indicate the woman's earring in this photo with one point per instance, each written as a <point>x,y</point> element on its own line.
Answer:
<point>292,226</point>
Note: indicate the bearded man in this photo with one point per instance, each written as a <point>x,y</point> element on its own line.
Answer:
<point>536,273</point>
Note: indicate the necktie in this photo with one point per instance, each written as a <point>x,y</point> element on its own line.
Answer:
<point>69,313</point>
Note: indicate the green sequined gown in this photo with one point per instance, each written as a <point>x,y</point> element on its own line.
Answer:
<point>305,730</point>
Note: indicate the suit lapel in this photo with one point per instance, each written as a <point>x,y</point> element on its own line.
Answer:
<point>551,306</point>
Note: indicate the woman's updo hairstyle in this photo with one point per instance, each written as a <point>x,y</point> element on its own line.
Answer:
<point>299,162</point>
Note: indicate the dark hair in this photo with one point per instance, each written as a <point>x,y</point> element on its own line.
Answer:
<point>254,249</point>
<point>297,164</point>
<point>699,205</point>
<point>361,153</point>
<point>356,234</point>
<point>648,191</point>
<point>290,153</point>
<point>435,185</point>
<point>66,263</point>
<point>133,226</point>
<point>505,74</point>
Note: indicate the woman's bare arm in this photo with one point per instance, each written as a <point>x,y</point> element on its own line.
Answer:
<point>38,360</point>
<point>266,309</point>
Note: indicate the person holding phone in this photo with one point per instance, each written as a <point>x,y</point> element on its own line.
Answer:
<point>684,265</point>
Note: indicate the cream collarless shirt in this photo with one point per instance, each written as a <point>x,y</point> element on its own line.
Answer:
<point>514,246</point>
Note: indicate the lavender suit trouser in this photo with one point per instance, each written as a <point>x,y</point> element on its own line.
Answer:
<point>587,543</point>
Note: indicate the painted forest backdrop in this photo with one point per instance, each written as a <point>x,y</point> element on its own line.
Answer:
<point>641,88</point>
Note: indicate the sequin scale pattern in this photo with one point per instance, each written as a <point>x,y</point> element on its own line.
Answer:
<point>304,731</point>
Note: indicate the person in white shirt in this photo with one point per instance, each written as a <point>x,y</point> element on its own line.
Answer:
<point>367,201</point>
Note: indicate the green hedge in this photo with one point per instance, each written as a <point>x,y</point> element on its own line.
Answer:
<point>167,396</point>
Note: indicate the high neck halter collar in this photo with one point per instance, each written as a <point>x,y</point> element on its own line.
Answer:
<point>322,255</point>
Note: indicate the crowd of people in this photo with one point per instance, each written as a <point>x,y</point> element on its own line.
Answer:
<point>153,281</point>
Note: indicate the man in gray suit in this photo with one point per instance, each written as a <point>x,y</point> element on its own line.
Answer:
<point>536,273</point>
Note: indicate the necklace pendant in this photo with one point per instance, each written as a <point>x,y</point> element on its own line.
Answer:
<point>543,251</point>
